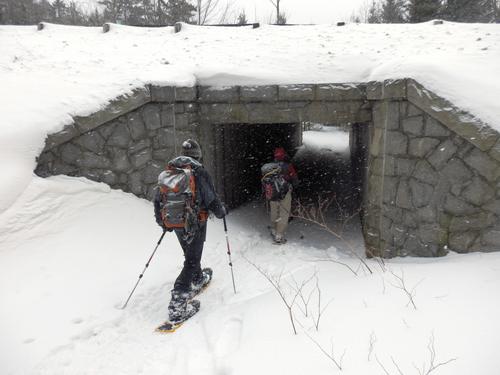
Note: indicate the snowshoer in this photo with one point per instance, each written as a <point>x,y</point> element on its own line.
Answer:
<point>185,196</point>
<point>278,180</point>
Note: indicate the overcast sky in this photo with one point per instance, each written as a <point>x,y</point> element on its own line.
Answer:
<point>301,11</point>
<point>297,11</point>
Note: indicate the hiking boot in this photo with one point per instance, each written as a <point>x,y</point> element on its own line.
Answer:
<point>181,307</point>
<point>198,286</point>
<point>279,240</point>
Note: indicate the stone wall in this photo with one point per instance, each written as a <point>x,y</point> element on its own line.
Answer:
<point>126,153</point>
<point>430,189</point>
<point>430,173</point>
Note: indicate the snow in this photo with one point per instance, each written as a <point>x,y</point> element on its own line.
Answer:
<point>326,138</point>
<point>49,76</point>
<point>72,249</point>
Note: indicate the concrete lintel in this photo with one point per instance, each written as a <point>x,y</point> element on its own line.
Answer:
<point>214,94</point>
<point>171,94</point>
<point>340,91</point>
<point>296,92</point>
<point>117,107</point>
<point>259,93</point>
<point>223,113</point>
<point>67,133</point>
<point>388,89</point>
<point>464,124</point>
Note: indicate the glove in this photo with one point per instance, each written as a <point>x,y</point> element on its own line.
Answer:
<point>218,208</point>
<point>160,222</point>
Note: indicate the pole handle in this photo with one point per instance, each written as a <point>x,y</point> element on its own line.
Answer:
<point>225,224</point>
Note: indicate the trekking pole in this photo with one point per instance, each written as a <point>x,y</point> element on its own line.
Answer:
<point>229,254</point>
<point>144,270</point>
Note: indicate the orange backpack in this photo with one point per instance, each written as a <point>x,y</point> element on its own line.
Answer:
<point>178,203</point>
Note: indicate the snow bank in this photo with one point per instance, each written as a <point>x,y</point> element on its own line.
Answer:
<point>72,249</point>
<point>51,75</point>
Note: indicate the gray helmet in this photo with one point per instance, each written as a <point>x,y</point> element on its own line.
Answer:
<point>191,148</point>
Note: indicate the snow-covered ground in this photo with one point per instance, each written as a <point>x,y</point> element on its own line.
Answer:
<point>48,76</point>
<point>71,251</point>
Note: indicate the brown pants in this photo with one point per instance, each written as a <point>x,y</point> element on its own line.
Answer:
<point>280,212</point>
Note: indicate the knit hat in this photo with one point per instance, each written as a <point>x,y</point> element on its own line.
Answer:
<point>279,154</point>
<point>191,148</point>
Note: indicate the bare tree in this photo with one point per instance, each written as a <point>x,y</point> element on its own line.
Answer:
<point>276,282</point>
<point>426,369</point>
<point>212,11</point>
<point>321,309</point>
<point>365,12</point>
<point>317,214</point>
<point>303,298</point>
<point>402,285</point>
<point>432,360</point>
<point>371,345</point>
<point>280,16</point>
<point>242,18</point>
<point>330,355</point>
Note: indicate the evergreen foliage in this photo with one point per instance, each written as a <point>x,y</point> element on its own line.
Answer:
<point>393,11</point>
<point>424,10</point>
<point>129,12</point>
<point>398,11</point>
<point>374,15</point>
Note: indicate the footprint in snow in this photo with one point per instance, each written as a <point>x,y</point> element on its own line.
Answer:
<point>229,338</point>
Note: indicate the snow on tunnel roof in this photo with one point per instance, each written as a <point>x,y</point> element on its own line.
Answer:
<point>49,76</point>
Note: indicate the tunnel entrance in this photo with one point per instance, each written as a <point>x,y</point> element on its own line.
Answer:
<point>330,160</point>
<point>242,149</point>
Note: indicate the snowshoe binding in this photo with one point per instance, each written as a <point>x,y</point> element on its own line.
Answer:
<point>279,240</point>
<point>182,305</point>
<point>200,285</point>
<point>179,316</point>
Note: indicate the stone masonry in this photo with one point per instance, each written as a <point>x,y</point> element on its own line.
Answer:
<point>431,187</point>
<point>430,173</point>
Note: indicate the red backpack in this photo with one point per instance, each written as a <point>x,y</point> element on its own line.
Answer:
<point>274,184</point>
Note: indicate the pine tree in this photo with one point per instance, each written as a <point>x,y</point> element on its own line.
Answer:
<point>179,11</point>
<point>374,13</point>
<point>18,12</point>
<point>423,10</point>
<point>492,11</point>
<point>3,12</point>
<point>112,9</point>
<point>393,11</point>
<point>59,7</point>
<point>464,10</point>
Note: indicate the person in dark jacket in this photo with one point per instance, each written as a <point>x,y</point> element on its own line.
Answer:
<point>192,278</point>
<point>280,210</point>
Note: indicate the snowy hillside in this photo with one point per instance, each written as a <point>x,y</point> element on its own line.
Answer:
<point>72,249</point>
<point>48,76</point>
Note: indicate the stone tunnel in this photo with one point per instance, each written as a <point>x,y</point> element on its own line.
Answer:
<point>428,174</point>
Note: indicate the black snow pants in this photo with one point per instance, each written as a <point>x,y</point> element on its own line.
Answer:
<point>191,272</point>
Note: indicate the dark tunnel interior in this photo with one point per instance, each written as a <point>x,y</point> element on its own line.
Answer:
<point>324,172</point>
